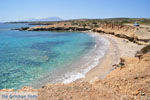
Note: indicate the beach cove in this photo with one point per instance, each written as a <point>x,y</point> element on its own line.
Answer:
<point>104,78</point>
<point>47,56</point>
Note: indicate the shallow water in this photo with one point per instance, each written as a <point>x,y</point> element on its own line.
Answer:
<point>35,58</point>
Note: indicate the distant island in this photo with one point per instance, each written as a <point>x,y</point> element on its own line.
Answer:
<point>47,19</point>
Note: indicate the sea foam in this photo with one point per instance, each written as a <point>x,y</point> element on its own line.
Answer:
<point>89,61</point>
<point>78,68</point>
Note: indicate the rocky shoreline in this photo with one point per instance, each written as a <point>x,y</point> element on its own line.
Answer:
<point>128,81</point>
<point>121,31</point>
<point>42,28</point>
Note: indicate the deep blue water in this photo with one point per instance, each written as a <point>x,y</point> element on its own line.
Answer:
<point>26,56</point>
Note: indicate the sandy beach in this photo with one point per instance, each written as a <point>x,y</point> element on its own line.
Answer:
<point>117,48</point>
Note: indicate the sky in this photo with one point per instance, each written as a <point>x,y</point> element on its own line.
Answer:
<point>14,10</point>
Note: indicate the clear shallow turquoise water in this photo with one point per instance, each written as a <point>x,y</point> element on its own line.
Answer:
<point>27,56</point>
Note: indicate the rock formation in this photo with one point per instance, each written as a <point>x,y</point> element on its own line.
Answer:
<point>122,31</point>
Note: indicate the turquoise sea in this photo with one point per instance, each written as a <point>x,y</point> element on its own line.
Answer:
<point>35,58</point>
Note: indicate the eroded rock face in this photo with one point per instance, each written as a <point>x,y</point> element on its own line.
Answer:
<point>122,31</point>
<point>58,28</point>
<point>144,50</point>
<point>118,29</point>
